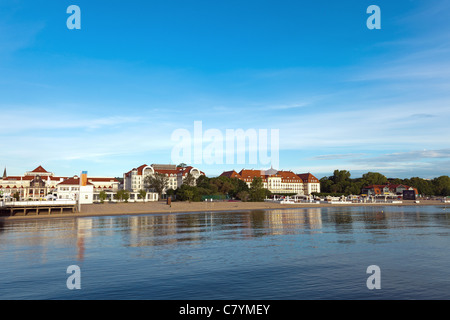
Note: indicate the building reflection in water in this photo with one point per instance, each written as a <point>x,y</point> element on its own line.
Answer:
<point>291,221</point>
<point>37,237</point>
<point>192,228</point>
<point>84,229</point>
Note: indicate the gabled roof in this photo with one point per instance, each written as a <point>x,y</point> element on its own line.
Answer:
<point>140,169</point>
<point>231,174</point>
<point>308,177</point>
<point>40,169</point>
<point>391,187</point>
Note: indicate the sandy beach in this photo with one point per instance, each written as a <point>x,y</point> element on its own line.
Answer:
<point>109,209</point>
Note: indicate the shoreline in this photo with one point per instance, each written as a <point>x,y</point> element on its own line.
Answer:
<point>160,207</point>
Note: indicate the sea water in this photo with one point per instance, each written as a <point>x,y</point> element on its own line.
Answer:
<point>291,254</point>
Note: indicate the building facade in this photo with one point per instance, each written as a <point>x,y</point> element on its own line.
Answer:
<point>134,180</point>
<point>73,189</point>
<point>279,182</point>
<point>387,190</point>
<point>39,183</point>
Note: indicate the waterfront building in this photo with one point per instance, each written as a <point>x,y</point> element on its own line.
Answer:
<point>39,183</point>
<point>311,183</point>
<point>33,185</point>
<point>73,189</point>
<point>134,180</point>
<point>387,190</point>
<point>279,182</point>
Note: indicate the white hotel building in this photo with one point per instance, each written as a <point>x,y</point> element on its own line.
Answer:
<point>134,180</point>
<point>281,182</point>
<point>39,183</point>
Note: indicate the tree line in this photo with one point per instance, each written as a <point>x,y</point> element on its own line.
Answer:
<point>198,190</point>
<point>219,188</point>
<point>340,183</point>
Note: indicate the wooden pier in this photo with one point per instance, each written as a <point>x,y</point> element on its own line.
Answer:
<point>25,208</point>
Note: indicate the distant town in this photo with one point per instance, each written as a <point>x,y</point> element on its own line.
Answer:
<point>187,183</point>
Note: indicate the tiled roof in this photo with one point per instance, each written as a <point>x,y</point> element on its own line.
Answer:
<point>40,169</point>
<point>308,177</point>
<point>286,176</point>
<point>103,179</point>
<point>25,178</point>
<point>231,174</point>
<point>72,181</point>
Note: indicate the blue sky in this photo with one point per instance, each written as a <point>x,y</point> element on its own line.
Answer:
<point>108,97</point>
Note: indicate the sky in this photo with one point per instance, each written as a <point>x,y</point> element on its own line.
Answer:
<point>109,97</point>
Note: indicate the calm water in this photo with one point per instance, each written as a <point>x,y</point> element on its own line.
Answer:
<point>319,253</point>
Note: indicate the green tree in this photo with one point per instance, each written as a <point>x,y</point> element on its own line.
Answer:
<point>122,195</point>
<point>243,195</point>
<point>441,186</point>
<point>102,196</point>
<point>157,182</point>
<point>424,187</point>
<point>203,182</point>
<point>16,196</point>
<point>189,179</point>
<point>126,195</point>
<point>142,194</point>
<point>238,187</point>
<point>223,185</point>
<point>189,194</point>
<point>371,178</point>
<point>340,176</point>
<point>325,184</point>
<point>257,191</point>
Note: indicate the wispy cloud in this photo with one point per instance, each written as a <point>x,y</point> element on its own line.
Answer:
<point>338,156</point>
<point>410,156</point>
<point>17,120</point>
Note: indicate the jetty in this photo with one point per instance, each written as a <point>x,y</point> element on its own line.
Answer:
<point>24,208</point>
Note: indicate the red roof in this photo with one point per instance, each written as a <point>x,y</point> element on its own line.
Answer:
<point>25,178</point>
<point>139,170</point>
<point>166,171</point>
<point>308,177</point>
<point>103,179</point>
<point>231,174</point>
<point>289,175</point>
<point>286,176</point>
<point>392,187</point>
<point>72,181</point>
<point>39,169</point>
<point>251,174</point>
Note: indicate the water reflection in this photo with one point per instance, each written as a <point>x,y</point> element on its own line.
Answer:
<point>192,228</point>
<point>262,254</point>
<point>80,234</point>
